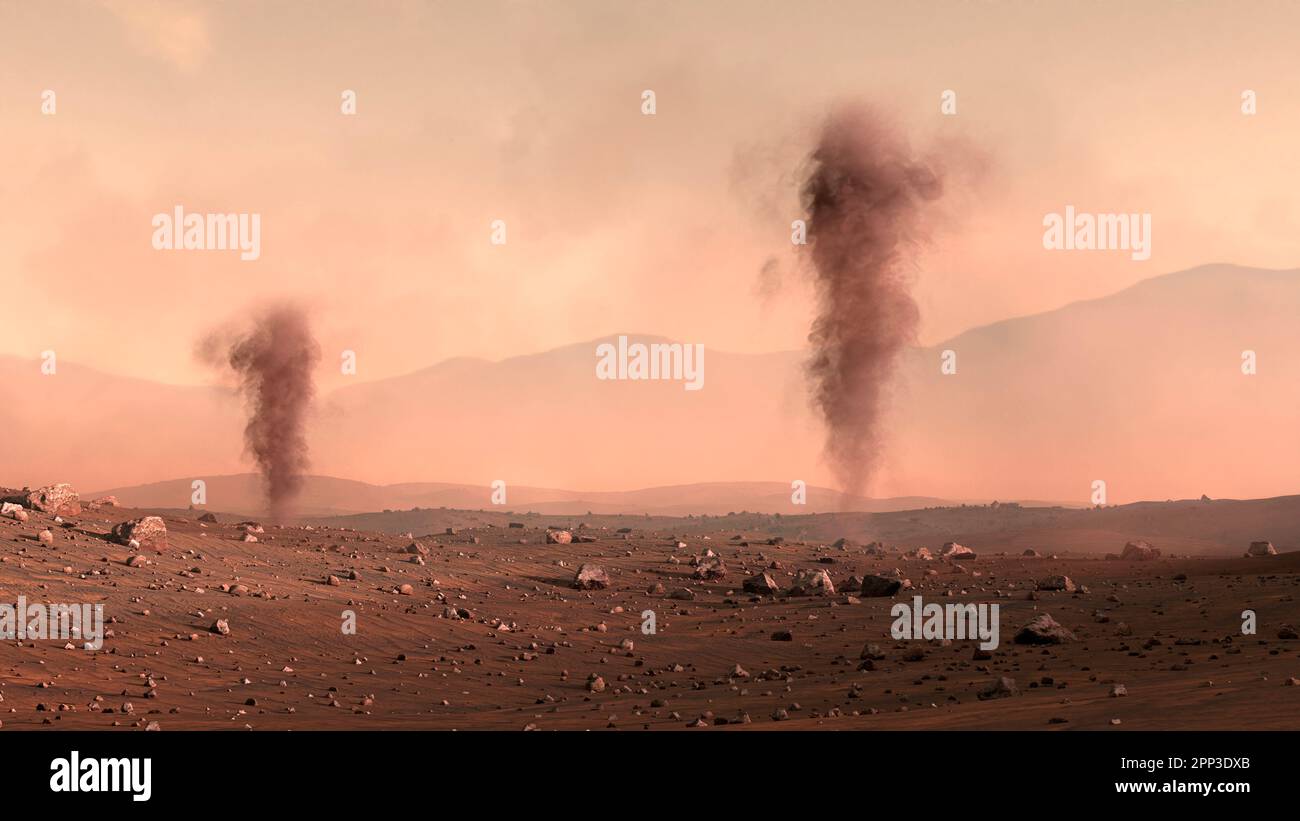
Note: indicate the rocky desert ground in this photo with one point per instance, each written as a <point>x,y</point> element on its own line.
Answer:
<point>480,624</point>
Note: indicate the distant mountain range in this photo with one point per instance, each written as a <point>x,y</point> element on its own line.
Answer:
<point>328,496</point>
<point>1143,390</point>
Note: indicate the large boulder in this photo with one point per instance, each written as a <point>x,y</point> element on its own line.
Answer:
<point>709,566</point>
<point>1139,551</point>
<point>955,552</point>
<point>1001,687</point>
<point>1057,583</point>
<point>1044,630</point>
<point>148,531</point>
<point>559,537</point>
<point>877,586</point>
<point>812,583</point>
<point>591,577</point>
<point>1258,549</point>
<point>763,584</point>
<point>56,500</point>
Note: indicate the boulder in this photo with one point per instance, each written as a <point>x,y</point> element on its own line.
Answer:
<point>559,537</point>
<point>709,567</point>
<point>591,577</point>
<point>955,552</point>
<point>57,500</point>
<point>1002,687</point>
<point>877,586</point>
<point>1043,629</point>
<point>1139,551</point>
<point>812,583</point>
<point>1057,583</point>
<point>872,651</point>
<point>1258,549</point>
<point>763,584</point>
<point>209,518</point>
<point>147,531</point>
<point>922,553</point>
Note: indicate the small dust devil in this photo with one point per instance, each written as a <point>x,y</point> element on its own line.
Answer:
<point>274,362</point>
<point>864,197</point>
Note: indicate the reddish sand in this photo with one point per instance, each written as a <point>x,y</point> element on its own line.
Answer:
<point>525,655</point>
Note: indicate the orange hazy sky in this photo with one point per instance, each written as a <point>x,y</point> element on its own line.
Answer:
<point>617,221</point>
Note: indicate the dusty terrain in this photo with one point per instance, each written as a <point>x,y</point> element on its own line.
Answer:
<point>531,643</point>
<point>1218,527</point>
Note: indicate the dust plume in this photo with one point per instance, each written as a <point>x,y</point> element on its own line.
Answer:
<point>864,198</point>
<point>273,363</point>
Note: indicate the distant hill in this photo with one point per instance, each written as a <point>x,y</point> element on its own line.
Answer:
<point>1142,389</point>
<point>326,496</point>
